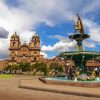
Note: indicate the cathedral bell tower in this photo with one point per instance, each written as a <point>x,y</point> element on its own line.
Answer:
<point>35,42</point>
<point>35,48</point>
<point>14,41</point>
<point>13,48</point>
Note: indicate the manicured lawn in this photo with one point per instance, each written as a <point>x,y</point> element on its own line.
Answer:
<point>6,76</point>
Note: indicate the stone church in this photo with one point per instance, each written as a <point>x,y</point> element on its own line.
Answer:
<point>24,52</point>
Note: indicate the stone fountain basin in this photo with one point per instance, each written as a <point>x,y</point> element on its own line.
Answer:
<point>66,82</point>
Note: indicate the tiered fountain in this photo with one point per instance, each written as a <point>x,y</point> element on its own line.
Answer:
<point>80,58</point>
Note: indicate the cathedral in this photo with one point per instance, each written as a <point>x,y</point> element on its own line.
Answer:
<point>24,52</point>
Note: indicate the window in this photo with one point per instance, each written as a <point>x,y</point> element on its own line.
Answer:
<point>35,44</point>
<point>35,58</point>
<point>13,58</point>
<point>35,52</point>
<point>13,43</point>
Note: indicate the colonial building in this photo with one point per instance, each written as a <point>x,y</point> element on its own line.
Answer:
<point>67,63</point>
<point>24,52</point>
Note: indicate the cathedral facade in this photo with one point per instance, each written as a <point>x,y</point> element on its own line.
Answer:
<point>24,52</point>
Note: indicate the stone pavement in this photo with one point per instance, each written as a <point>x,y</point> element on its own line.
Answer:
<point>9,91</point>
<point>36,84</point>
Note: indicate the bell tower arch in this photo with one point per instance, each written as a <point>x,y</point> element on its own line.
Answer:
<point>35,41</point>
<point>14,41</point>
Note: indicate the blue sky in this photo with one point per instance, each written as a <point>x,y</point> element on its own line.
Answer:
<point>52,21</point>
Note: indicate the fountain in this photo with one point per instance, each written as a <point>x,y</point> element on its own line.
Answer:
<point>80,58</point>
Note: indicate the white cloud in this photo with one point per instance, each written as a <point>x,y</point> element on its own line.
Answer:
<point>94,30</point>
<point>13,19</point>
<point>26,36</point>
<point>89,44</point>
<point>61,38</point>
<point>60,46</point>
<point>44,54</point>
<point>94,6</point>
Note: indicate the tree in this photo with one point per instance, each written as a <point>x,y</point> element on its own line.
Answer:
<point>45,68</point>
<point>15,67</point>
<point>24,66</point>
<point>42,67</point>
<point>56,68</point>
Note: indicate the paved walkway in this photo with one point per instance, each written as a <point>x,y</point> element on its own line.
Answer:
<point>9,91</point>
<point>35,84</point>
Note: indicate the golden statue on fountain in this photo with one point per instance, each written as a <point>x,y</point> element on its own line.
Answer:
<point>79,35</point>
<point>79,26</point>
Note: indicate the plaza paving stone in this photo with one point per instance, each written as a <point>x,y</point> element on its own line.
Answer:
<point>9,91</point>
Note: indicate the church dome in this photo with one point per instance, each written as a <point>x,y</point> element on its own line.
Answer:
<point>25,44</point>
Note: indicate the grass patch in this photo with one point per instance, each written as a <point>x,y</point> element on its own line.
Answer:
<point>6,76</point>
